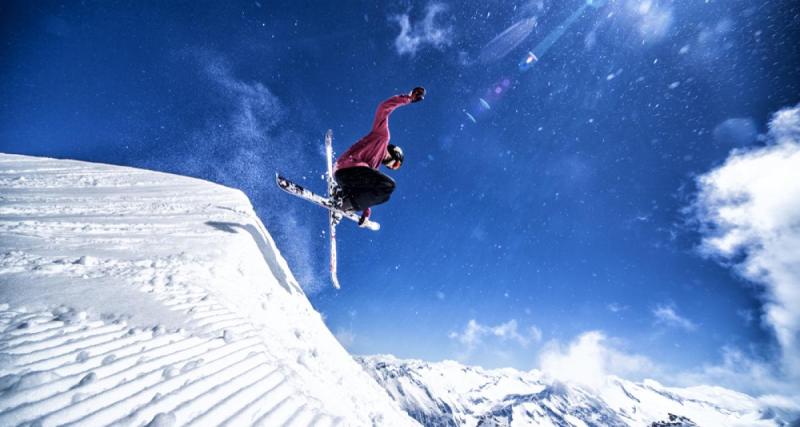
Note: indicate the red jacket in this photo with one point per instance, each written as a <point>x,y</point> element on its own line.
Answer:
<point>371,149</point>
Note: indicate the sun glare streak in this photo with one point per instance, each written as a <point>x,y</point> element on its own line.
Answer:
<point>507,41</point>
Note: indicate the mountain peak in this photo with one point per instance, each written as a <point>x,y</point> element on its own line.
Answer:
<point>449,393</point>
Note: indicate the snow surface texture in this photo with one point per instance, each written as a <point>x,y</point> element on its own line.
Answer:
<point>130,297</point>
<point>451,394</point>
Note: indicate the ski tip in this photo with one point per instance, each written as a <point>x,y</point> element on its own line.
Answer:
<point>370,225</point>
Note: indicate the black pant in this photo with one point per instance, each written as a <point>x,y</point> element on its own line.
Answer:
<point>363,187</point>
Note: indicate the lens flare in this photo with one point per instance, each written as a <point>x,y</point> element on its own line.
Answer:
<point>528,61</point>
<point>597,4</point>
<point>507,41</point>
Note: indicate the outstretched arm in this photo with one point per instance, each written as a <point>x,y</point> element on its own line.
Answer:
<point>386,108</point>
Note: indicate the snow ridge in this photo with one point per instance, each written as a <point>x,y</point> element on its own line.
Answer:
<point>131,298</point>
<point>450,394</point>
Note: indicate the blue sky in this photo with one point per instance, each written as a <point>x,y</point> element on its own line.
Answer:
<point>540,210</point>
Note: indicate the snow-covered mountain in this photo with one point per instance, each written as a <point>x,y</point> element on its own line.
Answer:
<point>450,394</point>
<point>130,297</point>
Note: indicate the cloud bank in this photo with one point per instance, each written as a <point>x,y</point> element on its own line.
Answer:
<point>475,334</point>
<point>414,36</point>
<point>499,342</point>
<point>749,211</point>
<point>590,358</point>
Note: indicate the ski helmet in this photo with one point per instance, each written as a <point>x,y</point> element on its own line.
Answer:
<point>395,157</point>
<point>396,152</point>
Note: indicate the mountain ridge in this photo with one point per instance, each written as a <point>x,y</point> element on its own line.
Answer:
<point>451,394</point>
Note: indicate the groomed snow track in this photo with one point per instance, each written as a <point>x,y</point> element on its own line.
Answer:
<point>85,372</point>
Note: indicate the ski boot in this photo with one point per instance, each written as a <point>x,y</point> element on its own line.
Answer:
<point>364,217</point>
<point>341,201</point>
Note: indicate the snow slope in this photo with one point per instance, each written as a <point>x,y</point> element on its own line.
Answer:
<point>131,297</point>
<point>451,394</point>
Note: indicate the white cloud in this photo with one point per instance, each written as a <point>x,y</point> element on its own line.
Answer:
<point>414,36</point>
<point>535,333</point>
<point>475,334</point>
<point>590,358</point>
<point>667,316</point>
<point>653,19</point>
<point>739,372</point>
<point>616,307</point>
<point>785,126</point>
<point>749,213</point>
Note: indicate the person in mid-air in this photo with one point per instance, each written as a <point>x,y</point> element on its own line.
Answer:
<point>361,184</point>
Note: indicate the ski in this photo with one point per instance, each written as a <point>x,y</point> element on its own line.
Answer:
<point>324,202</point>
<point>333,217</point>
<point>334,213</point>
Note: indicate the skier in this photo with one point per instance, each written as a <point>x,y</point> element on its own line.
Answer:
<point>361,184</point>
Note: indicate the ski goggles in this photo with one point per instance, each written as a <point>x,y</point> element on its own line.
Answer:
<point>393,164</point>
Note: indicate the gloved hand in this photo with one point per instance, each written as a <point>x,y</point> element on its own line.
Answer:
<point>417,94</point>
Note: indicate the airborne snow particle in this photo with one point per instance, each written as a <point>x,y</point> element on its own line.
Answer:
<point>674,85</point>
<point>471,117</point>
<point>485,104</point>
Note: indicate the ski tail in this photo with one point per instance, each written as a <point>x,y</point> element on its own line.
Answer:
<point>333,217</point>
